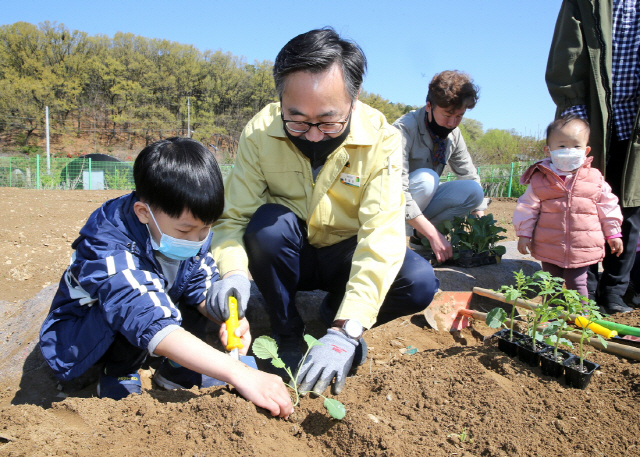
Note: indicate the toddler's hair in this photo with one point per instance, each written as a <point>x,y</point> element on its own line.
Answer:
<point>179,174</point>
<point>564,120</point>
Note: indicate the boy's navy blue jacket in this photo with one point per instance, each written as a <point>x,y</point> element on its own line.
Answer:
<point>115,285</point>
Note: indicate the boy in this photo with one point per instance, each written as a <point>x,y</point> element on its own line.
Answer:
<point>137,285</point>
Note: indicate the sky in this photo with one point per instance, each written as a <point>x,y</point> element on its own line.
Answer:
<point>502,44</point>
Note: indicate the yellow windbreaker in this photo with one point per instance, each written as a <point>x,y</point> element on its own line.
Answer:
<point>357,192</point>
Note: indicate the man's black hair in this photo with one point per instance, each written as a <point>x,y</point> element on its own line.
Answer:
<point>564,120</point>
<point>316,51</point>
<point>179,174</point>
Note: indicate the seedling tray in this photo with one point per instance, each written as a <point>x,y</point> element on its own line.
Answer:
<point>464,261</point>
<point>477,261</point>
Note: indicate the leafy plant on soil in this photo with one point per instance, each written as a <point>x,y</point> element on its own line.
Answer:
<point>477,234</point>
<point>463,436</point>
<point>497,316</point>
<point>265,347</point>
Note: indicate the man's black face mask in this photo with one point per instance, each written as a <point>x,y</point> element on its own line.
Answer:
<point>318,151</point>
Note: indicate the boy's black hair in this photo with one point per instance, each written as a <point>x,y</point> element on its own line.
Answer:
<point>180,174</point>
<point>564,120</point>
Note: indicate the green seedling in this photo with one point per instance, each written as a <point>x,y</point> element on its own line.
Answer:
<point>551,294</point>
<point>265,347</point>
<point>555,330</point>
<point>497,316</point>
<point>589,311</point>
<point>463,436</point>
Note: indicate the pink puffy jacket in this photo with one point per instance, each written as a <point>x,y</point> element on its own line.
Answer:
<point>567,220</point>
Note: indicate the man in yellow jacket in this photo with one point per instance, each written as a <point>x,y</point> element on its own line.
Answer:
<point>315,201</point>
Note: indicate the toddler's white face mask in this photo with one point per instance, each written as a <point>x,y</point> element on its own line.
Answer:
<point>568,159</point>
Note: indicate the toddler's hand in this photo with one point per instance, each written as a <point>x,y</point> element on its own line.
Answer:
<point>616,246</point>
<point>524,245</point>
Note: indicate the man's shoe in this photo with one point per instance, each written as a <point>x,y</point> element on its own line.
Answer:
<point>119,387</point>
<point>613,304</point>
<point>415,240</point>
<point>171,375</point>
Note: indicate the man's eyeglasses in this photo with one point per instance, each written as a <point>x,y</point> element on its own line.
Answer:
<point>324,127</point>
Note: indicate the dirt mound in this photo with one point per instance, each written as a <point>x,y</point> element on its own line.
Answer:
<point>456,396</point>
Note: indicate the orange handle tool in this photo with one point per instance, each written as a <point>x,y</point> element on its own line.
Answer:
<point>596,328</point>
<point>233,342</point>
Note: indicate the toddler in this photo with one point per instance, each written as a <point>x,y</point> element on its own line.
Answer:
<point>568,210</point>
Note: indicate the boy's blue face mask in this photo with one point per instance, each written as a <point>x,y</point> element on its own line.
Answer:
<point>174,248</point>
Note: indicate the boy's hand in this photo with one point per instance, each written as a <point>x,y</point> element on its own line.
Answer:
<point>242,332</point>
<point>264,390</point>
<point>236,285</point>
<point>524,245</point>
<point>616,246</point>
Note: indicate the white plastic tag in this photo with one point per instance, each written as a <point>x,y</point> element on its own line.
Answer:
<point>351,180</point>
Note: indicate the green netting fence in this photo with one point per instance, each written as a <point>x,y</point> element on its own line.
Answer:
<point>79,173</point>
<point>499,180</point>
<point>90,174</point>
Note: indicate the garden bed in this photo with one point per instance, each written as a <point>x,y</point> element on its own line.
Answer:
<point>397,405</point>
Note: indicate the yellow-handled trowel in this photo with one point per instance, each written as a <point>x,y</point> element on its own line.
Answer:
<point>234,344</point>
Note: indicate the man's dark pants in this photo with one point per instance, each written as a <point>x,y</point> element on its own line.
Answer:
<point>282,262</point>
<point>615,276</point>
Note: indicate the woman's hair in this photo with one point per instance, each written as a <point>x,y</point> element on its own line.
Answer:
<point>179,174</point>
<point>564,120</point>
<point>453,89</point>
<point>315,52</point>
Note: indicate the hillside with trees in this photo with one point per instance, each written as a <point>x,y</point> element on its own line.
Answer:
<point>116,94</point>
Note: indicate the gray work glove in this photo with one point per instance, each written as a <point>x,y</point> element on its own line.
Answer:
<point>218,296</point>
<point>332,359</point>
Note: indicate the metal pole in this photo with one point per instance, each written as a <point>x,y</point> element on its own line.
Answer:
<point>510,180</point>
<point>46,111</point>
<point>10,174</point>
<point>188,117</point>
<point>89,173</point>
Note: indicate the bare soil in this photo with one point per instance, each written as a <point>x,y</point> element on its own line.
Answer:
<point>458,395</point>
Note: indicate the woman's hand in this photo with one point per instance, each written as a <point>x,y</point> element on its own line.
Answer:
<point>439,245</point>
